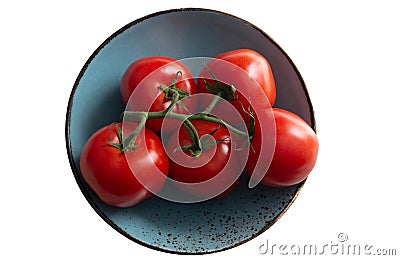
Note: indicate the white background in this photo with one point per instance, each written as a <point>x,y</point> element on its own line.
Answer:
<point>347,52</point>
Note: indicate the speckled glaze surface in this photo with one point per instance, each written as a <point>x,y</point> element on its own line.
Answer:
<point>95,101</point>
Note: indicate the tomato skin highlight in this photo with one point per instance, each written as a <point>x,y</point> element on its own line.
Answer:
<point>106,169</point>
<point>145,77</point>
<point>254,65</point>
<point>208,165</point>
<point>296,151</point>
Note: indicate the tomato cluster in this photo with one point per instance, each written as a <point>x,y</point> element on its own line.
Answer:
<point>126,162</point>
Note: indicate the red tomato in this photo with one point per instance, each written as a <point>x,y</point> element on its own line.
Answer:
<point>107,169</point>
<point>295,152</point>
<point>248,66</point>
<point>219,163</point>
<point>145,77</point>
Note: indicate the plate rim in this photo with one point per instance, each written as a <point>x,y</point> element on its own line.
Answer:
<point>74,167</point>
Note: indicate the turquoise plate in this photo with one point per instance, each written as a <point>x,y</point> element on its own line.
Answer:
<point>95,101</point>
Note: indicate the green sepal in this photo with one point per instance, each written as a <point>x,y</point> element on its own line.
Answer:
<point>171,90</point>
<point>228,91</point>
<point>252,123</point>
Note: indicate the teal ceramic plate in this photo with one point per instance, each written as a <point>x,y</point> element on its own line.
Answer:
<point>95,101</point>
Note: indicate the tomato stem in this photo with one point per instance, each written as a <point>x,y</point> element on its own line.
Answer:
<point>171,90</point>
<point>195,147</point>
<point>132,116</point>
<point>172,93</point>
<point>129,143</point>
<point>121,138</point>
<point>228,91</point>
<point>213,103</point>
